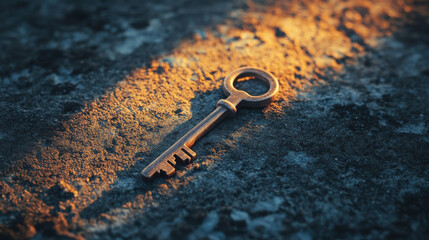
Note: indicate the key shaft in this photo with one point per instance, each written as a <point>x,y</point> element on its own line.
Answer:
<point>208,123</point>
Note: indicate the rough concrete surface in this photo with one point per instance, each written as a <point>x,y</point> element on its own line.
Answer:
<point>90,93</point>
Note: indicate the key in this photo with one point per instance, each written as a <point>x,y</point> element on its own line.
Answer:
<point>180,151</point>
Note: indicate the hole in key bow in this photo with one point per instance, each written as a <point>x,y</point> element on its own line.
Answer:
<point>253,85</point>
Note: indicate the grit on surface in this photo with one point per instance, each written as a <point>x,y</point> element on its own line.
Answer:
<point>92,94</point>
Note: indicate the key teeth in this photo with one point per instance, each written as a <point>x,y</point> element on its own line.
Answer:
<point>184,155</point>
<point>172,161</point>
<point>164,168</point>
<point>189,152</point>
<point>167,167</point>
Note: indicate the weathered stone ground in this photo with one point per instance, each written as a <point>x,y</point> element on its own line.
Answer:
<point>90,93</point>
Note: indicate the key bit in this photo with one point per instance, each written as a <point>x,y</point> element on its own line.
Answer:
<point>165,163</point>
<point>163,167</point>
<point>180,151</point>
<point>186,154</point>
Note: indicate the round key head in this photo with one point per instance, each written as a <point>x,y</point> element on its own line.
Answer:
<point>245,99</point>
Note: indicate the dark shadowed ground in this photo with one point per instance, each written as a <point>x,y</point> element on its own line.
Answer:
<point>90,93</point>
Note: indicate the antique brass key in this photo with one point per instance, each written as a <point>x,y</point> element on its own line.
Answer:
<point>181,152</point>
